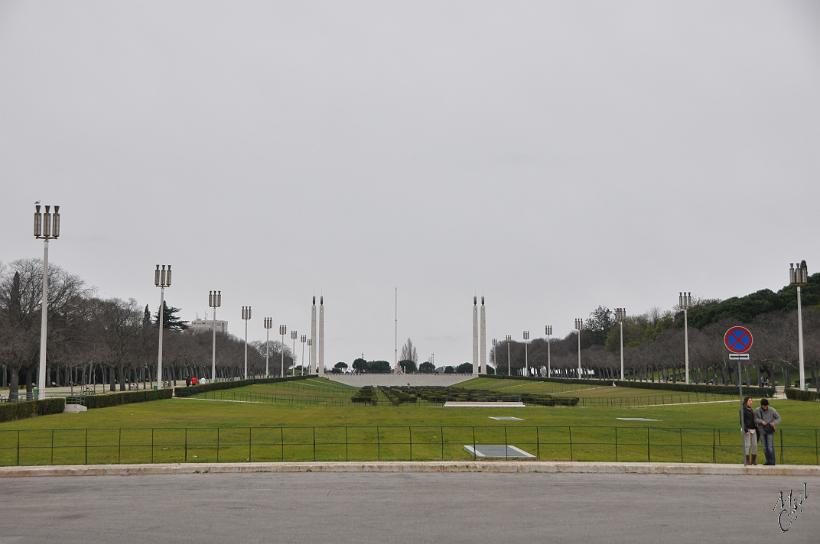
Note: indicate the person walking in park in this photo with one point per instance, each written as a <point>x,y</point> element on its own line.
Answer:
<point>767,420</point>
<point>749,433</point>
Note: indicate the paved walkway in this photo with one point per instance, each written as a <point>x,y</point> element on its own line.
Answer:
<point>366,508</point>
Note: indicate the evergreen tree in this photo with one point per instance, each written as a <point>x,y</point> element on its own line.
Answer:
<point>171,320</point>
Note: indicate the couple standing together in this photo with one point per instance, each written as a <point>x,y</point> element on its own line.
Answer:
<point>759,424</point>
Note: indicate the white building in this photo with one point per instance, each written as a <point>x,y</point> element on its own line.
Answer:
<point>206,325</point>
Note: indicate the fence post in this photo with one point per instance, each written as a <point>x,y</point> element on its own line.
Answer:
<point>648,447</point>
<point>152,444</point>
<point>410,434</point>
<point>282,441</point>
<point>186,444</point>
<point>816,455</point>
<point>250,444</point>
<point>537,443</point>
<point>52,446</point>
<point>441,433</point>
<point>378,445</point>
<point>18,447</point>
<point>314,443</point>
<point>616,444</point>
<point>782,457</point>
<point>119,447</point>
<point>474,453</point>
<point>217,444</point>
<point>714,457</point>
<point>570,442</point>
<point>506,446</point>
<point>86,445</point>
<point>347,450</point>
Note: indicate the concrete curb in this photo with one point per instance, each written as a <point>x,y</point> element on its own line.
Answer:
<point>494,467</point>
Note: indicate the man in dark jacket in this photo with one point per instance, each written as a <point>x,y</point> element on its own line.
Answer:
<point>767,420</point>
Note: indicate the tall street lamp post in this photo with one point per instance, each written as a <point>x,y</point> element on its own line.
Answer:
<point>684,303</point>
<point>509,340</point>
<point>548,333</point>
<point>283,330</point>
<point>310,343</point>
<point>495,354</point>
<point>46,227</point>
<point>526,355</point>
<point>293,336</point>
<point>799,277</point>
<point>268,324</point>
<point>246,315</point>
<point>162,279</point>
<point>579,324</point>
<point>214,301</point>
<point>303,339</point>
<point>620,315</point>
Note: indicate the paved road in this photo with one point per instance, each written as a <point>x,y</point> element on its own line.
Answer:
<point>366,508</point>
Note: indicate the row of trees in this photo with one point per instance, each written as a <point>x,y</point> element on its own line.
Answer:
<point>654,342</point>
<point>113,341</point>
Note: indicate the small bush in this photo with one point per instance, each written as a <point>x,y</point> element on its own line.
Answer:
<point>10,411</point>
<point>365,395</point>
<point>115,399</point>
<point>799,394</point>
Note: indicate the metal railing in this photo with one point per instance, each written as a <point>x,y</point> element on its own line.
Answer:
<point>390,443</point>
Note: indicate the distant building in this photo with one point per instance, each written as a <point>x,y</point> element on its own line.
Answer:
<point>206,325</point>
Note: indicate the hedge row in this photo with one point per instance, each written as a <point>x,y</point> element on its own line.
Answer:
<point>799,394</point>
<point>397,396</point>
<point>665,386</point>
<point>10,411</point>
<point>444,394</point>
<point>365,395</point>
<point>127,397</point>
<point>215,386</point>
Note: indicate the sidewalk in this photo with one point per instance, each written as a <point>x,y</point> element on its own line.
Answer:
<point>496,467</point>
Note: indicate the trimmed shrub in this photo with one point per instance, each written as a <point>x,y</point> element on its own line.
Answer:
<point>799,394</point>
<point>664,386</point>
<point>396,395</point>
<point>10,411</point>
<point>128,397</point>
<point>216,386</point>
<point>365,395</point>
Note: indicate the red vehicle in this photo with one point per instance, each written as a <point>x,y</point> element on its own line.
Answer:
<point>194,380</point>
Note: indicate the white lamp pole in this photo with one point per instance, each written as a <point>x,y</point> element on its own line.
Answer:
<point>620,315</point>
<point>685,302</point>
<point>214,301</point>
<point>246,315</point>
<point>548,332</point>
<point>526,355</point>
<point>509,340</point>
<point>310,353</point>
<point>579,324</point>
<point>495,354</point>
<point>303,339</point>
<point>283,330</point>
<point>293,336</point>
<point>162,279</point>
<point>268,324</point>
<point>46,226</point>
<point>799,277</point>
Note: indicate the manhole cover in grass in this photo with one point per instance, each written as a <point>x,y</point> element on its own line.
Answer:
<point>636,419</point>
<point>498,451</point>
<point>506,418</point>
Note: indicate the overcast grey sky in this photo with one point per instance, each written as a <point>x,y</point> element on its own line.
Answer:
<point>552,156</point>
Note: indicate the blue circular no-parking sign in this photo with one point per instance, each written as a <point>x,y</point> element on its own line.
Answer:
<point>738,339</point>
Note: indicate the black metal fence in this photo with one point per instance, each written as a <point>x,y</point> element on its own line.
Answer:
<point>390,443</point>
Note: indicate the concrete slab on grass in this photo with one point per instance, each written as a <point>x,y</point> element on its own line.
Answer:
<point>498,451</point>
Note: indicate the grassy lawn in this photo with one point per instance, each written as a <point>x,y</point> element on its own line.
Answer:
<point>218,430</point>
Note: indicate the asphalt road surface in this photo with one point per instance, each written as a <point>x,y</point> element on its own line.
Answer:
<point>366,508</point>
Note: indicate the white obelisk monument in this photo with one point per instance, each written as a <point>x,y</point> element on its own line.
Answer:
<point>321,369</point>
<point>313,337</point>
<point>475,336</point>
<point>482,356</point>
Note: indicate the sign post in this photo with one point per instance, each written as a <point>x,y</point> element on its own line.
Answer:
<point>738,340</point>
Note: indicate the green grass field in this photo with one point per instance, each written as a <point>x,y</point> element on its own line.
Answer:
<point>206,429</point>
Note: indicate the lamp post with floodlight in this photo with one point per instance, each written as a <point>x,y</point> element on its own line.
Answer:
<point>620,315</point>
<point>548,333</point>
<point>799,277</point>
<point>579,325</point>
<point>684,303</point>
<point>162,279</point>
<point>214,301</point>
<point>46,227</point>
<point>246,316</point>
